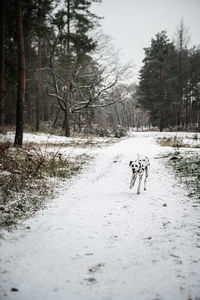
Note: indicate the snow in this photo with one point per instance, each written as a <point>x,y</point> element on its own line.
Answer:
<point>44,138</point>
<point>100,240</point>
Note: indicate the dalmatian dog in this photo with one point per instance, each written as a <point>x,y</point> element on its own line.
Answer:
<point>139,167</point>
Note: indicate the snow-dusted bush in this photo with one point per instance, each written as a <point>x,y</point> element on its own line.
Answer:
<point>25,181</point>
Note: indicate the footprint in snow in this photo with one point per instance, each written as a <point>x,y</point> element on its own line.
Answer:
<point>93,269</point>
<point>126,206</point>
<point>165,224</point>
<point>96,268</point>
<point>90,280</point>
<point>113,238</point>
<point>89,254</point>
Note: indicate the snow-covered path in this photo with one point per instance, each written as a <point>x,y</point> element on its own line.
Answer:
<point>100,240</point>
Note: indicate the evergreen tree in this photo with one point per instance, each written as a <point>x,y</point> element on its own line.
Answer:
<point>193,89</point>
<point>157,79</point>
<point>2,50</point>
<point>21,77</point>
<point>182,72</point>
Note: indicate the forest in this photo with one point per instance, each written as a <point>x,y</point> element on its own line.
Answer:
<point>169,85</point>
<point>59,71</point>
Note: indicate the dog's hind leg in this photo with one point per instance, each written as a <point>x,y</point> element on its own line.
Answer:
<point>133,179</point>
<point>145,182</point>
<point>139,184</point>
<point>145,179</point>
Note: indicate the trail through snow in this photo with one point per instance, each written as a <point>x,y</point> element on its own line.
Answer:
<point>102,241</point>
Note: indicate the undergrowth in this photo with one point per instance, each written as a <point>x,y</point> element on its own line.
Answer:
<point>185,163</point>
<point>178,142</point>
<point>28,176</point>
<point>186,166</point>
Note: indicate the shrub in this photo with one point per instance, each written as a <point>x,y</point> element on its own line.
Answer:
<point>25,178</point>
<point>120,133</point>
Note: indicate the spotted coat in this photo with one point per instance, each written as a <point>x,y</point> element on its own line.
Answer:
<point>139,167</point>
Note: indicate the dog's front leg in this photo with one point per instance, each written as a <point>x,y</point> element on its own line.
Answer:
<point>139,184</point>
<point>147,170</point>
<point>133,179</point>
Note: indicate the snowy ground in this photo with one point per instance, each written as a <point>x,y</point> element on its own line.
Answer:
<point>100,240</point>
<point>45,139</point>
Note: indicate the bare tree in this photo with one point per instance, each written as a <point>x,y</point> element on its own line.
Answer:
<point>91,84</point>
<point>93,96</point>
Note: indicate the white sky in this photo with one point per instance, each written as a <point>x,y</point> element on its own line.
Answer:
<point>132,23</point>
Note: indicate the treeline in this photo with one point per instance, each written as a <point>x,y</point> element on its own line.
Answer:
<point>169,87</point>
<point>57,70</point>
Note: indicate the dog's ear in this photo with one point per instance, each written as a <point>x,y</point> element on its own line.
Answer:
<point>130,163</point>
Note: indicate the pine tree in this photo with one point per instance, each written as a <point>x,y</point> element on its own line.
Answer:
<point>182,73</point>
<point>193,89</point>
<point>21,77</point>
<point>156,78</point>
<point>2,51</point>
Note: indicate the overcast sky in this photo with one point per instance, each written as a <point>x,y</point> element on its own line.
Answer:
<point>132,23</point>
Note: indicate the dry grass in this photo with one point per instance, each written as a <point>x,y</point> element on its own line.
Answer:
<point>176,142</point>
<point>28,176</point>
<point>186,167</point>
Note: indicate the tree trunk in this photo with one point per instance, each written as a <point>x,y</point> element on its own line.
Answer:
<point>56,118</point>
<point>28,102</point>
<point>161,101</point>
<point>28,84</point>
<point>46,108</point>
<point>39,85</point>
<point>21,78</point>
<point>2,50</point>
<point>180,74</point>
<point>161,127</point>
<point>67,111</point>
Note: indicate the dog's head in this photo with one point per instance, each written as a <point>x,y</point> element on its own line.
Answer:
<point>135,165</point>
